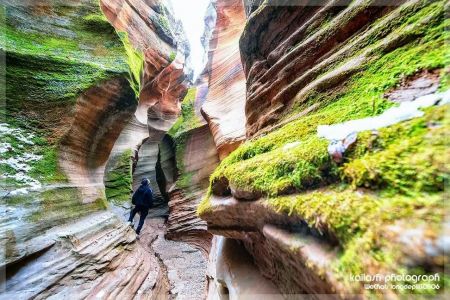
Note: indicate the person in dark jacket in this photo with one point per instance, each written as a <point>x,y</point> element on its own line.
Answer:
<point>142,200</point>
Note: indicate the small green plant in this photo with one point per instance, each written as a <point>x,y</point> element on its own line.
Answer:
<point>164,22</point>
<point>172,56</point>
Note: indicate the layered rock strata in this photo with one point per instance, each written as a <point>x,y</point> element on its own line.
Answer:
<point>97,257</point>
<point>224,105</point>
<point>122,162</point>
<point>195,157</point>
<point>303,217</point>
<point>60,240</point>
<point>85,148</point>
<point>284,248</point>
<point>156,67</point>
<point>156,55</point>
<point>285,67</point>
<point>199,160</point>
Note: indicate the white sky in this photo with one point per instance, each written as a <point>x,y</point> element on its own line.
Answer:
<point>192,14</point>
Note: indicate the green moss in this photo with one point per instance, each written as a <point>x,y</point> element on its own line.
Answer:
<point>359,221</point>
<point>204,206</point>
<point>262,164</point>
<point>445,76</point>
<point>403,168</point>
<point>57,206</point>
<point>135,60</point>
<point>49,79</point>
<point>97,23</point>
<point>58,61</point>
<point>188,119</point>
<point>119,180</point>
<point>30,142</point>
<point>47,170</point>
<point>172,56</point>
<point>279,170</point>
<point>407,158</point>
<point>49,64</point>
<point>164,22</point>
<point>180,132</point>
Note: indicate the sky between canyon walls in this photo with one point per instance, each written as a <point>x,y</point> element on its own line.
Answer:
<point>192,14</point>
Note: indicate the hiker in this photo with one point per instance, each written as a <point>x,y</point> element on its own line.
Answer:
<point>142,201</point>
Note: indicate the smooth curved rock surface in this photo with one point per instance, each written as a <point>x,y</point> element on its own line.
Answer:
<point>224,106</point>
<point>98,257</point>
<point>295,257</point>
<point>59,240</point>
<point>162,82</point>
<point>100,115</point>
<point>146,167</point>
<point>232,273</point>
<point>76,258</point>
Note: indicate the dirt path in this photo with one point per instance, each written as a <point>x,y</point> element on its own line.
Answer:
<point>182,267</point>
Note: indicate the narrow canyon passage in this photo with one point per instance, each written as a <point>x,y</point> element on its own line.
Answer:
<point>295,149</point>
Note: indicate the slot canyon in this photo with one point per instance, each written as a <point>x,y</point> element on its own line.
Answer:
<point>308,154</point>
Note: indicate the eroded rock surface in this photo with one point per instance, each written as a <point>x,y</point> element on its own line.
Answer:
<point>100,115</point>
<point>61,242</point>
<point>283,247</point>
<point>199,158</point>
<point>283,195</point>
<point>233,274</point>
<point>284,67</point>
<point>224,106</point>
<point>146,167</point>
<point>152,48</point>
<point>73,258</point>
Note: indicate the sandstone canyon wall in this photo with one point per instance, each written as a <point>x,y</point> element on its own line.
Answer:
<point>212,122</point>
<point>312,217</point>
<point>224,106</point>
<point>156,57</point>
<point>96,104</point>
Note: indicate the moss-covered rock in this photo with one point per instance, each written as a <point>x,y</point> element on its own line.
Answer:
<point>54,53</point>
<point>119,179</point>
<point>135,61</point>
<point>269,165</point>
<point>61,57</point>
<point>392,178</point>
<point>180,132</point>
<point>360,221</point>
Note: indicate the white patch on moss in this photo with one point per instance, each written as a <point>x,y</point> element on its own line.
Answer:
<point>20,163</point>
<point>405,111</point>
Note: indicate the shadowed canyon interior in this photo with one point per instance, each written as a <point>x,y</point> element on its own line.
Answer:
<point>252,197</point>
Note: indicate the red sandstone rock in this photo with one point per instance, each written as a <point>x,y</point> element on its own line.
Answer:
<point>101,113</point>
<point>287,51</point>
<point>199,159</point>
<point>162,82</point>
<point>224,106</point>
